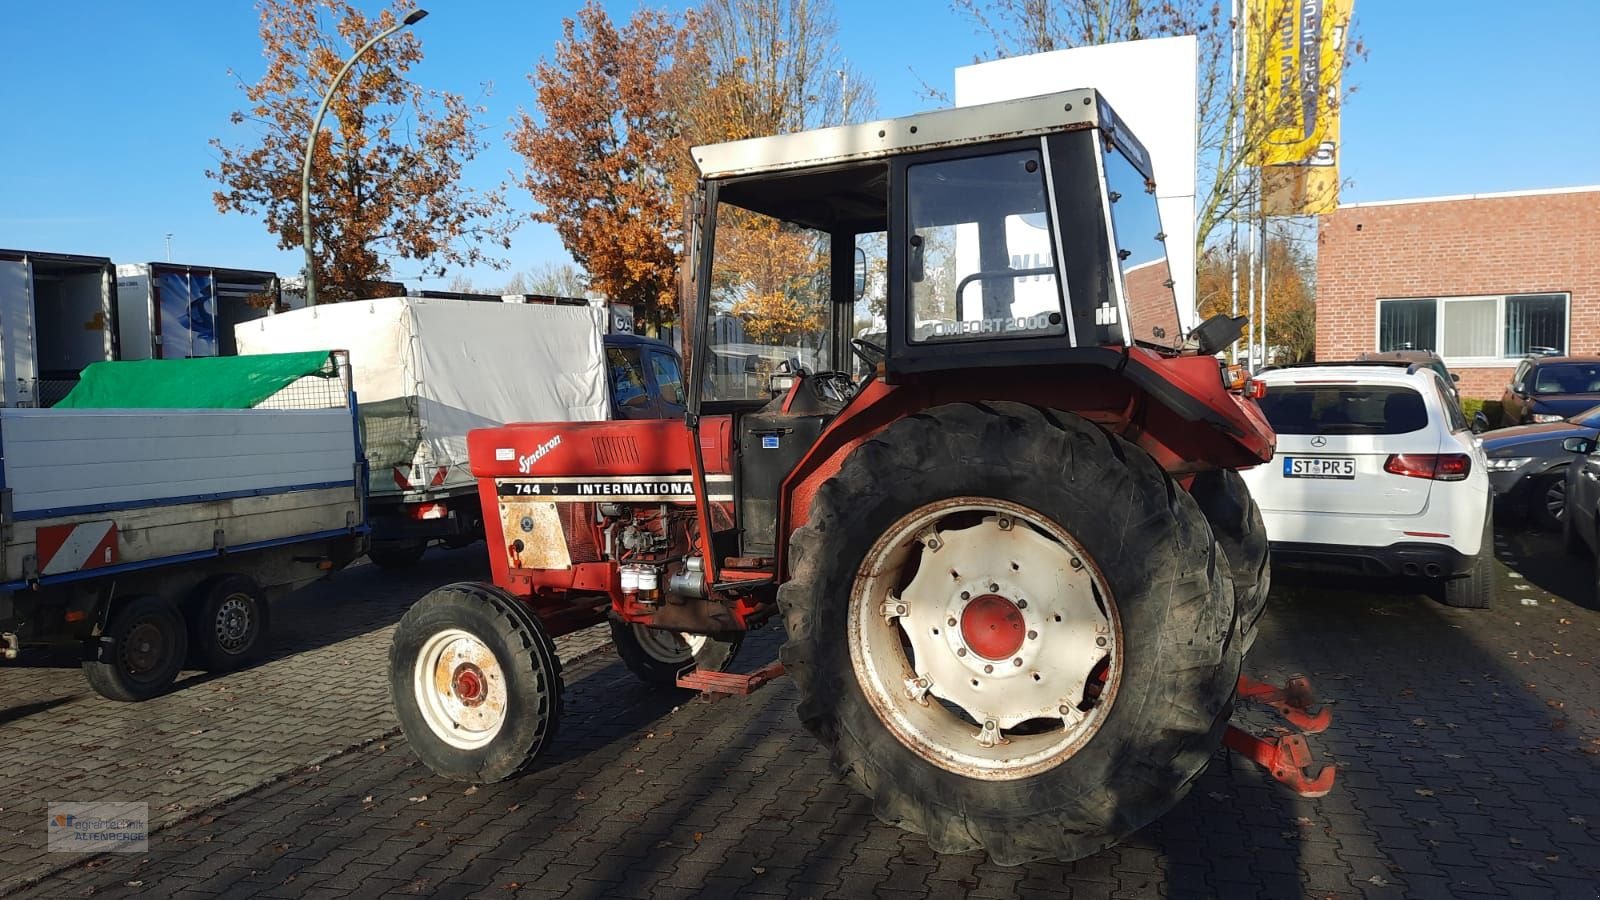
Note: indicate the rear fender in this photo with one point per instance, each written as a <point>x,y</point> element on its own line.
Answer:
<point>1176,409</point>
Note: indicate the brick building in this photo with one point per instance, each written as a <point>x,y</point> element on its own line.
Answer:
<point>1480,279</point>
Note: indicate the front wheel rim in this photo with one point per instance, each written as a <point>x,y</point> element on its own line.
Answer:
<point>985,638</point>
<point>460,689</point>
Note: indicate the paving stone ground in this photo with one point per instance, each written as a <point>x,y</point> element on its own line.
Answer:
<point>1468,744</point>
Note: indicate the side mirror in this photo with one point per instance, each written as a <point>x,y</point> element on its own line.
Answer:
<point>914,265</point>
<point>780,383</point>
<point>1455,378</point>
<point>1578,445</point>
<point>1217,332</point>
<point>1480,422</point>
<point>861,273</point>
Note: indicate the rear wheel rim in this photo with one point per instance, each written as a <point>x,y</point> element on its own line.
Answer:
<point>460,689</point>
<point>985,638</point>
<point>235,623</point>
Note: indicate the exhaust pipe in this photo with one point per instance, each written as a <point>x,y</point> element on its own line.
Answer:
<point>1409,568</point>
<point>1433,570</point>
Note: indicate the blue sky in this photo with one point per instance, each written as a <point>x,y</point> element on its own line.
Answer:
<point>109,107</point>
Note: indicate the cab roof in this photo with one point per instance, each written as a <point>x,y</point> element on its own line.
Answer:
<point>1030,116</point>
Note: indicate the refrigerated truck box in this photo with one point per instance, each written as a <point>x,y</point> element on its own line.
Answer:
<point>151,534</point>
<point>57,315</point>
<point>171,311</point>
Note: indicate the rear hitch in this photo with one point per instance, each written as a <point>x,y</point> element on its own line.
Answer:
<point>1286,757</point>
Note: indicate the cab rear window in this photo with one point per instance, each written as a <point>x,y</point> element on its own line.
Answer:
<point>1344,409</point>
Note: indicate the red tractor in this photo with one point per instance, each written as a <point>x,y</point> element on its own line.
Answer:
<point>992,496</point>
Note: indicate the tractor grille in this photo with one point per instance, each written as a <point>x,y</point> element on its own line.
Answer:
<point>575,519</point>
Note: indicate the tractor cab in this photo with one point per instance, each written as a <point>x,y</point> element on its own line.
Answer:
<point>1022,233</point>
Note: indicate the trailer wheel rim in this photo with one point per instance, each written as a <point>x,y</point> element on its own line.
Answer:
<point>985,638</point>
<point>670,647</point>
<point>460,689</point>
<point>235,623</point>
<point>145,649</point>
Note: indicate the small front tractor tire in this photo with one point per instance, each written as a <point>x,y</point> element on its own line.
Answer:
<point>476,683</point>
<point>974,559</point>
<point>141,651</point>
<point>1236,524</point>
<point>657,656</point>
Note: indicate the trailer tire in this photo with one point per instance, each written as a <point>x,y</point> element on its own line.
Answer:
<point>228,623</point>
<point>141,652</point>
<point>1171,667</point>
<point>393,555</point>
<point>1236,524</point>
<point>476,683</point>
<point>647,654</point>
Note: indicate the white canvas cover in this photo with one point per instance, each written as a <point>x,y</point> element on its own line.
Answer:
<point>427,371</point>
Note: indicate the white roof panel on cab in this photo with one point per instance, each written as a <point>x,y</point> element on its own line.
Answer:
<point>1044,114</point>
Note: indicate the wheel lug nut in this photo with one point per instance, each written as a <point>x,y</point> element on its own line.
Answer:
<point>988,670</point>
<point>1065,710</point>
<point>1033,635</point>
<point>951,621</point>
<point>966,595</point>
<point>994,588</point>
<point>1017,661</point>
<point>1021,603</point>
<point>1077,563</point>
<point>961,651</point>
<point>1099,642</point>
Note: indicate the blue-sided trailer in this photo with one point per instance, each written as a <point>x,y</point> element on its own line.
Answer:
<point>151,517</point>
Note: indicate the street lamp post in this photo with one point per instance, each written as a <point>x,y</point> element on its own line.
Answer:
<point>411,18</point>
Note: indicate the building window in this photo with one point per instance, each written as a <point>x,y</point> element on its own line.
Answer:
<point>1475,329</point>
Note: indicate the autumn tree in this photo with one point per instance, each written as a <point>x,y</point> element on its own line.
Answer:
<point>386,175</point>
<point>600,156</point>
<point>774,67</point>
<point>549,279</point>
<point>1290,286</point>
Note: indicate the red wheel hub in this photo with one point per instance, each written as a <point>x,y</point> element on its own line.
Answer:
<point>467,684</point>
<point>993,627</point>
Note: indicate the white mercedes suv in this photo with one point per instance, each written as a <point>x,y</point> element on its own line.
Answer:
<point>1377,473</point>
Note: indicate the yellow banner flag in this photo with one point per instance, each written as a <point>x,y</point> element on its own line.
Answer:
<point>1292,79</point>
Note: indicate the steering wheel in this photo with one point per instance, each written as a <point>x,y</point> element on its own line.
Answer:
<point>832,387</point>
<point>868,352</point>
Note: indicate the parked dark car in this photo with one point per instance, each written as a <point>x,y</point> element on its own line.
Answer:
<point>1550,388</point>
<point>1582,518</point>
<point>1528,465</point>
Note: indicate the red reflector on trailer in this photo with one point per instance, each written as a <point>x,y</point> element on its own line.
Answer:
<point>1437,466</point>
<point>1433,534</point>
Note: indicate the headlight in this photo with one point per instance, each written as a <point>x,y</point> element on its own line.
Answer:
<point>1508,463</point>
<point>1546,417</point>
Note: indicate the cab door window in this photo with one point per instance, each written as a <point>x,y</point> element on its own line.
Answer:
<point>669,381</point>
<point>980,253</point>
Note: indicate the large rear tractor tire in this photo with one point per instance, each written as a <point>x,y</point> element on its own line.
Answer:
<point>1236,524</point>
<point>1012,631</point>
<point>656,655</point>
<point>476,683</point>
<point>141,652</point>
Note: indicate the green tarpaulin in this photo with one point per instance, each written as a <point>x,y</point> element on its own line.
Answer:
<point>221,382</point>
